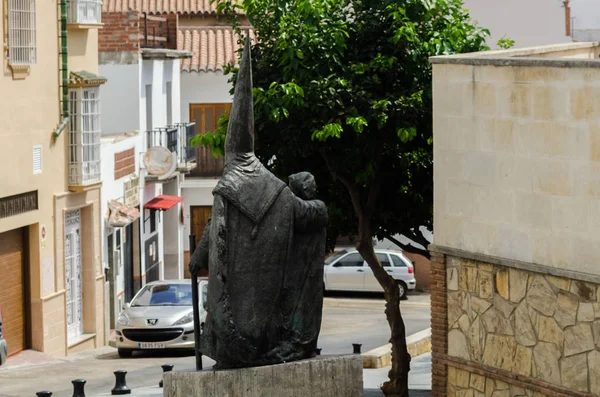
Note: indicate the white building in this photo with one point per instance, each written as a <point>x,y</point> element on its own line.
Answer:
<point>141,203</point>
<point>528,23</point>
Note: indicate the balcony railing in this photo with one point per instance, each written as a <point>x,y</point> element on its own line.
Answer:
<point>85,11</point>
<point>175,138</point>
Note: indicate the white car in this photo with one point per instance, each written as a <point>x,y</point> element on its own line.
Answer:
<point>3,345</point>
<point>160,316</point>
<point>347,271</point>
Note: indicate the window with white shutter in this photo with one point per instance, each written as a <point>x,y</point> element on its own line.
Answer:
<point>21,32</point>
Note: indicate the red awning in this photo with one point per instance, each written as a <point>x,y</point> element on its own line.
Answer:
<point>163,203</point>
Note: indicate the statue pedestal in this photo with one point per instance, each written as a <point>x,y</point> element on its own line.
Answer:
<point>322,376</point>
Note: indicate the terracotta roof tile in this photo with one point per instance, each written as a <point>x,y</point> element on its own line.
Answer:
<point>161,6</point>
<point>212,47</point>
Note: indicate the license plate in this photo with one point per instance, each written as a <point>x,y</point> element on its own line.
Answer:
<point>151,345</point>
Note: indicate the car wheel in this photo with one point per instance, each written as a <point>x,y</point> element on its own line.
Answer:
<point>125,353</point>
<point>402,290</point>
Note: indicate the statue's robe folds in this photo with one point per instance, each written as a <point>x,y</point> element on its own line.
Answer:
<point>246,246</point>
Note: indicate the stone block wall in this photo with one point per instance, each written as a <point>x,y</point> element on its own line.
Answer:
<point>512,329</point>
<point>517,160</point>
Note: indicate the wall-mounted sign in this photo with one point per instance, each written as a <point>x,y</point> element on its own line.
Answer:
<point>131,191</point>
<point>43,234</point>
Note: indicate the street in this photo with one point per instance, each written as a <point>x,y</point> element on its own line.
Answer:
<point>347,319</point>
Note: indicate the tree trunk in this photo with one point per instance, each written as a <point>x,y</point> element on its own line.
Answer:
<point>397,385</point>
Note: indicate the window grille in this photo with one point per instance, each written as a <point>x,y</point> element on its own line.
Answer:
<point>85,11</point>
<point>21,32</point>
<point>84,153</point>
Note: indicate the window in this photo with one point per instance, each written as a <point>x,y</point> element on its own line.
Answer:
<point>352,260</point>
<point>21,32</point>
<point>206,117</point>
<point>169,103</point>
<point>384,260</point>
<point>85,11</point>
<point>84,145</point>
<point>398,262</point>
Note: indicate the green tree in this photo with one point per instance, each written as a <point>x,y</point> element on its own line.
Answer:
<point>343,89</point>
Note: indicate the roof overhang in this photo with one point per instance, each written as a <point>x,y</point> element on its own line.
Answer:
<point>164,54</point>
<point>84,78</point>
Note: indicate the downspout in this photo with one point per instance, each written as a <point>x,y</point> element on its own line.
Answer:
<point>64,69</point>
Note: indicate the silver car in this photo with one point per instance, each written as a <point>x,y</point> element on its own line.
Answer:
<point>160,316</point>
<point>346,270</point>
<point>3,344</point>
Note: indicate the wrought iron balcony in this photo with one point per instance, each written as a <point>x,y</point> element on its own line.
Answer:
<point>176,139</point>
<point>85,12</point>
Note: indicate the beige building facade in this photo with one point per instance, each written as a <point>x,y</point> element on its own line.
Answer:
<point>515,276</point>
<point>52,293</point>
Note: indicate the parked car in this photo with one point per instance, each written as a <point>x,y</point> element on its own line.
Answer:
<point>160,316</point>
<point>346,270</point>
<point>3,344</point>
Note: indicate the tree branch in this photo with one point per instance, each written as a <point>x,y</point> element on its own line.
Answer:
<point>350,186</point>
<point>376,185</point>
<point>406,247</point>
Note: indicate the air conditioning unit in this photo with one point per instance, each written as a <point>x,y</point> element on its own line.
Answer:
<point>117,262</point>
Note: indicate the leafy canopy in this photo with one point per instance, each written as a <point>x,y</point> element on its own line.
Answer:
<point>343,89</point>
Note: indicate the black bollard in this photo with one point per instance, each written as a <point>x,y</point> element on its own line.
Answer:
<point>78,387</point>
<point>120,384</point>
<point>165,368</point>
<point>318,351</point>
<point>356,347</point>
<point>44,393</point>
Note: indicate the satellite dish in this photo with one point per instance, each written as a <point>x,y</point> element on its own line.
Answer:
<point>160,162</point>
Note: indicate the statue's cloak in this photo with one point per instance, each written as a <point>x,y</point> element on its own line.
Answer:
<point>246,246</point>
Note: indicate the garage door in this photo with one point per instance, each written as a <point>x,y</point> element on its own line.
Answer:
<point>12,254</point>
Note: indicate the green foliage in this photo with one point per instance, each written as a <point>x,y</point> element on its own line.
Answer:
<point>505,43</point>
<point>343,89</point>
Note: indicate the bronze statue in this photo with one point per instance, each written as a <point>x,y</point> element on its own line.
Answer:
<point>264,248</point>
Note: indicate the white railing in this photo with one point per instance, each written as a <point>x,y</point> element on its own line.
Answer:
<point>85,11</point>
<point>21,32</point>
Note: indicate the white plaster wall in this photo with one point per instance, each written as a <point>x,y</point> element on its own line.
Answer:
<point>120,101</point>
<point>113,189</point>
<point>196,192</point>
<point>210,87</point>
<point>585,14</point>
<point>529,23</point>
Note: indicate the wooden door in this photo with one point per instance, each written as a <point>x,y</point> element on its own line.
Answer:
<point>206,117</point>
<point>12,289</point>
<point>199,219</point>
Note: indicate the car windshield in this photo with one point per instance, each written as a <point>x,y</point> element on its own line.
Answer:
<point>164,295</point>
<point>334,256</point>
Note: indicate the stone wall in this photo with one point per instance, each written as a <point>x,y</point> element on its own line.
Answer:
<point>517,160</point>
<point>534,332</point>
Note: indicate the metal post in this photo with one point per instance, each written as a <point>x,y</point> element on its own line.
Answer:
<point>43,394</point>
<point>356,347</point>
<point>196,307</point>
<point>78,388</point>
<point>120,384</point>
<point>165,368</point>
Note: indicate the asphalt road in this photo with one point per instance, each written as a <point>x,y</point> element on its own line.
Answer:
<point>347,319</point>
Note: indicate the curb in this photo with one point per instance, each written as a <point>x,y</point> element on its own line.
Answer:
<point>417,344</point>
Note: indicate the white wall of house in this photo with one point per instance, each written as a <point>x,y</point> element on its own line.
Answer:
<point>206,87</point>
<point>120,102</point>
<point>528,23</point>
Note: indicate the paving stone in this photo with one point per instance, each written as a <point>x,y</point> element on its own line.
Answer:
<point>462,378</point>
<point>479,305</point>
<point>499,351</point>
<point>467,279</point>
<point>464,323</point>
<point>524,333</point>
<point>457,344</point>
<point>518,285</point>
<point>477,382</point>
<point>541,296</point>
<point>546,356</point>
<point>522,360</point>
<point>578,339</point>
<point>549,331</point>
<point>486,287</point>
<point>502,283</point>
<point>452,279</point>
<point>585,312</point>
<point>476,339</point>
<point>503,306</point>
<point>594,368</point>
<point>559,282</point>
<point>574,372</point>
<point>566,310</point>
<point>495,323</point>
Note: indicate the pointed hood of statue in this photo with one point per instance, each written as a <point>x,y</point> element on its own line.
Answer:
<point>240,131</point>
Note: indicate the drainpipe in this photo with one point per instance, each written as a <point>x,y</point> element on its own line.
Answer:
<point>64,69</point>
